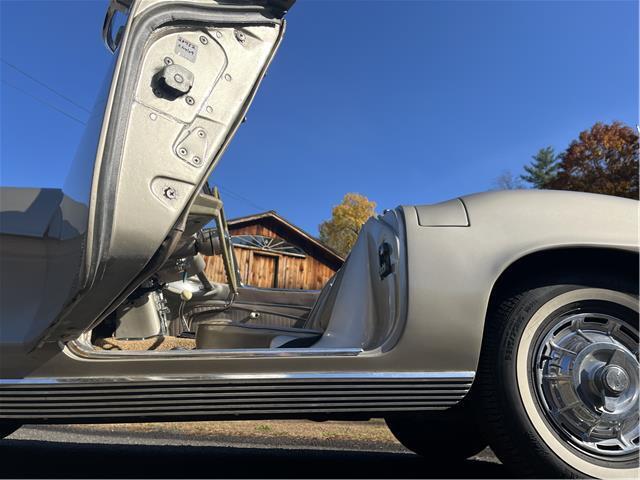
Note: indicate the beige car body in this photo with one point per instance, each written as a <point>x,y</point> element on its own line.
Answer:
<point>408,343</point>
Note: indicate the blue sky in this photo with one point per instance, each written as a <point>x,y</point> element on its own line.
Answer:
<point>404,102</point>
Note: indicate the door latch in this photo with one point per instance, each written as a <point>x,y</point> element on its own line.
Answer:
<point>172,82</point>
<point>384,258</point>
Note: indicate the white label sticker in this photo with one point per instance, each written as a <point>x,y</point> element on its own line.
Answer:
<point>186,49</point>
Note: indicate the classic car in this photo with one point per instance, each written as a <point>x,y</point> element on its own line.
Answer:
<point>507,319</point>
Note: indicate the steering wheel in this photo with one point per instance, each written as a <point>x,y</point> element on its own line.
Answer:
<point>228,259</point>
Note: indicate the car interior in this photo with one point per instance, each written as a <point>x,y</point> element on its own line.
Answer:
<point>180,310</point>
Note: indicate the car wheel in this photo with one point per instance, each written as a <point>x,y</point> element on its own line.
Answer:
<point>558,379</point>
<point>7,428</point>
<point>449,435</point>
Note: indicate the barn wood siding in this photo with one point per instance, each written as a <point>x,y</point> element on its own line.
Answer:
<point>308,273</point>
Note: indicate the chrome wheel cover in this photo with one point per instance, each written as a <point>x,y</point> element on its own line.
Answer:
<point>586,373</point>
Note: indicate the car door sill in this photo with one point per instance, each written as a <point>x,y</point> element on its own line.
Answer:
<point>87,351</point>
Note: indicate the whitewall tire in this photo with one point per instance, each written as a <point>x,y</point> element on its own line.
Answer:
<point>559,379</point>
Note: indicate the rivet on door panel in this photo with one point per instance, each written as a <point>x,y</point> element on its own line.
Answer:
<point>193,147</point>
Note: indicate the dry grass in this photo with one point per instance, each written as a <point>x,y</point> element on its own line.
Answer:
<point>372,434</point>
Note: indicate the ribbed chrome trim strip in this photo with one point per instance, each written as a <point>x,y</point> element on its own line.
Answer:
<point>219,395</point>
<point>257,376</point>
<point>37,416</point>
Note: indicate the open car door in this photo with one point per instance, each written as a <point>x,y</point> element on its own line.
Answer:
<point>183,80</point>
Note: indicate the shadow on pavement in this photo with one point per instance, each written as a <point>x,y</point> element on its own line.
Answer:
<point>30,458</point>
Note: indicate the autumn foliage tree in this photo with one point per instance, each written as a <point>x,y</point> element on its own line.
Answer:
<point>604,160</point>
<point>347,218</point>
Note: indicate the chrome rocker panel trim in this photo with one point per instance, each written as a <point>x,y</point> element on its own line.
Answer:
<point>51,399</point>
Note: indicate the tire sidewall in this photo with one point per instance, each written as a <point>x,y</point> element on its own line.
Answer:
<point>519,337</point>
<point>454,426</point>
<point>7,428</point>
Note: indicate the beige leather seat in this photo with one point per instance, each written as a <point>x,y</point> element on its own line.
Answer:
<point>224,333</point>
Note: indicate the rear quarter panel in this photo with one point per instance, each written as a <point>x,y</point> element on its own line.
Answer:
<point>452,269</point>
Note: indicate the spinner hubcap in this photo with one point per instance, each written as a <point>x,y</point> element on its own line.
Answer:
<point>614,379</point>
<point>586,372</point>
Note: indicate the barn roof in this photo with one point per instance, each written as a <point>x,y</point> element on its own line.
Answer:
<point>297,231</point>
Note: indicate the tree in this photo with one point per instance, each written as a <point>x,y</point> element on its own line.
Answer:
<point>543,170</point>
<point>507,181</point>
<point>604,159</point>
<point>347,218</point>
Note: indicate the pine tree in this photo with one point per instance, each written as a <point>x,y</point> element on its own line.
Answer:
<point>543,170</point>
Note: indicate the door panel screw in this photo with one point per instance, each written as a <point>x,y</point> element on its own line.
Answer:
<point>196,160</point>
<point>168,61</point>
<point>204,40</point>
<point>201,134</point>
<point>183,151</point>
<point>189,99</point>
<point>170,193</point>
<point>240,36</point>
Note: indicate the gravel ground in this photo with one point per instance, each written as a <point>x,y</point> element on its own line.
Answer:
<point>240,449</point>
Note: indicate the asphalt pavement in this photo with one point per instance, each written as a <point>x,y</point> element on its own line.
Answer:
<point>82,452</point>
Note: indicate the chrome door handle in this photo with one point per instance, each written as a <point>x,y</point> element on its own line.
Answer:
<point>109,39</point>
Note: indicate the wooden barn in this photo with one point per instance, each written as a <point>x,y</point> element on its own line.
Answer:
<point>274,253</point>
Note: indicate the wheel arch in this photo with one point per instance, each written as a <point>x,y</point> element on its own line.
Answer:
<point>538,265</point>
